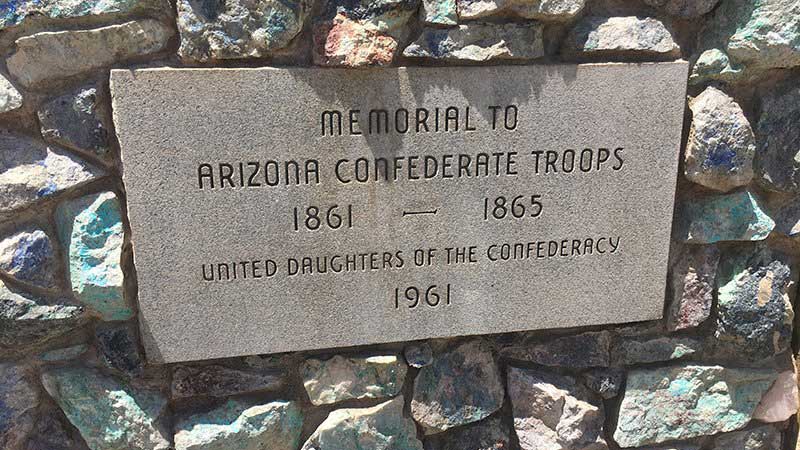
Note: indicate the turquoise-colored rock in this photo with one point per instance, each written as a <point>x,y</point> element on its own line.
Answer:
<point>440,12</point>
<point>239,425</point>
<point>15,12</point>
<point>754,36</point>
<point>459,387</point>
<point>732,217</point>
<point>109,414</point>
<point>91,230</point>
<point>339,378</point>
<point>381,427</point>
<point>755,315</point>
<point>684,402</point>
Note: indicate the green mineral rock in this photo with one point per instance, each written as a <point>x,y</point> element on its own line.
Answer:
<point>238,425</point>
<point>341,378</point>
<point>109,414</point>
<point>683,402</point>
<point>15,12</point>
<point>91,230</point>
<point>380,427</point>
<point>732,217</point>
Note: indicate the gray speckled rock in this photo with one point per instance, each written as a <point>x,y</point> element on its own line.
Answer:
<point>30,171</point>
<point>91,230</point>
<point>604,382</point>
<point>340,378</point>
<point>118,348</point>
<point>221,381</point>
<point>630,352</point>
<point>554,412</point>
<point>731,217</point>
<point>238,425</point>
<point>28,256</point>
<point>214,30</point>
<point>460,387</point>
<point>765,437</point>
<point>380,427</point>
<point>621,35</point>
<point>50,56</point>
<point>109,414</point>
<point>745,38</point>
<point>693,276</point>
<point>17,12</point>
<point>19,399</point>
<point>75,121</point>
<point>719,153</point>
<point>27,321</point>
<point>687,9</point>
<point>580,351</point>
<point>755,313</point>
<point>488,434</point>
<point>788,219</point>
<point>545,10</point>
<point>479,42</point>
<point>684,402</point>
<point>10,98</point>
<point>778,157</point>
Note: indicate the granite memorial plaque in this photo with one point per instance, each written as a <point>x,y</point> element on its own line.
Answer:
<point>277,210</point>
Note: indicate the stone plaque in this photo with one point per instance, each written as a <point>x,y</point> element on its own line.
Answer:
<point>276,210</point>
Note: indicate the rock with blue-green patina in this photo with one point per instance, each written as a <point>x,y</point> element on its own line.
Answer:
<point>10,98</point>
<point>754,36</point>
<point>220,381</point>
<point>754,317</point>
<point>687,9</point>
<point>76,120</point>
<point>440,12</point>
<point>17,12</point>
<point>778,156</point>
<point>91,231</point>
<point>240,425</point>
<point>479,42</point>
<point>108,413</point>
<point>765,437</point>
<point>381,427</point>
<point>488,434</point>
<point>19,400</point>
<point>360,33</point>
<point>235,29</point>
<point>629,352</point>
<point>118,348</point>
<point>713,64</point>
<point>554,412</point>
<point>731,217</point>
<point>631,36</point>
<point>693,277</point>
<point>683,402</point>
<point>64,354</point>
<point>340,378</point>
<point>544,10</point>
<point>26,320</point>
<point>28,256</point>
<point>52,56</point>
<point>721,146</point>
<point>31,171</point>
<point>461,386</point>
<point>580,351</point>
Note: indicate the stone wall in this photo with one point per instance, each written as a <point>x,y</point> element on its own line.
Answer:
<point>716,373</point>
